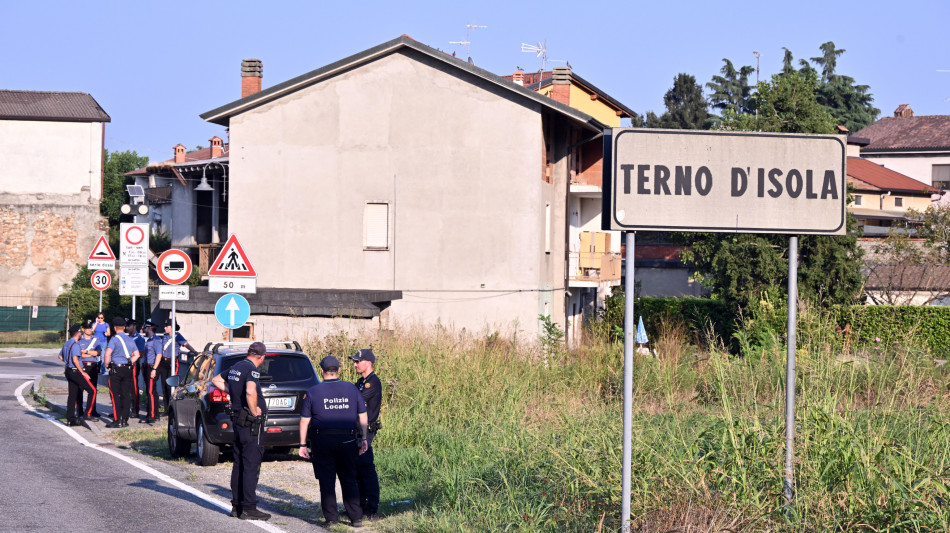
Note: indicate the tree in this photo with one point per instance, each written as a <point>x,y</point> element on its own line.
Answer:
<point>731,90</point>
<point>686,109</point>
<point>741,267</point>
<point>114,193</point>
<point>935,230</point>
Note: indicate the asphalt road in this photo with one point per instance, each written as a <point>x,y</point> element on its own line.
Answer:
<point>55,478</point>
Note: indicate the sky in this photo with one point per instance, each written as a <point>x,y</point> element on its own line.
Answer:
<point>156,66</point>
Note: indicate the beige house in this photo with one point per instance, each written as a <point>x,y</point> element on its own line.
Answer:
<point>405,172</point>
<point>918,147</point>
<point>51,180</point>
<point>882,196</point>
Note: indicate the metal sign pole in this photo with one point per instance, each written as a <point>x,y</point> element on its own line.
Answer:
<point>100,301</point>
<point>628,340</point>
<point>133,307</point>
<point>789,481</point>
<point>174,334</point>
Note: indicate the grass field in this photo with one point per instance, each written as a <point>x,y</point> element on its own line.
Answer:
<point>493,435</point>
<point>31,339</point>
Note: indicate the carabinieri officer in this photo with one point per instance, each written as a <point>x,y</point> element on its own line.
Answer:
<point>76,377</point>
<point>120,356</point>
<point>249,410</point>
<point>153,371</point>
<point>338,436</point>
<point>91,351</point>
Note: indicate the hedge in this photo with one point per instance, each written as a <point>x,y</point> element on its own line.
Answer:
<point>894,323</point>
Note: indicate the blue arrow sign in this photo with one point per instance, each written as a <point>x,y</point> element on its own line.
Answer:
<point>232,311</point>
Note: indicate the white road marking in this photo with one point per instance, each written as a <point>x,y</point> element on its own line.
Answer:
<point>19,376</point>
<point>226,506</point>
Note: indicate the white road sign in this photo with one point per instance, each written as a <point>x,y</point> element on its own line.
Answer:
<point>100,280</point>
<point>133,281</point>
<point>736,182</point>
<point>232,284</point>
<point>133,244</point>
<point>177,293</point>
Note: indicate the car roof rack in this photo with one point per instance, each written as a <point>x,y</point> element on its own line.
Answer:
<point>215,347</point>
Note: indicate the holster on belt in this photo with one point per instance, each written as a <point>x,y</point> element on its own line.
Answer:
<point>246,420</point>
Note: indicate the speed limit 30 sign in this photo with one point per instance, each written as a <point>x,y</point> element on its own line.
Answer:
<point>101,280</point>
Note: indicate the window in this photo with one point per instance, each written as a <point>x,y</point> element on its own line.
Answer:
<point>898,202</point>
<point>941,176</point>
<point>857,199</point>
<point>376,226</point>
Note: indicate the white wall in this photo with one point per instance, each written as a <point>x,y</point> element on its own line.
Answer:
<point>51,157</point>
<point>459,165</point>
<point>918,167</point>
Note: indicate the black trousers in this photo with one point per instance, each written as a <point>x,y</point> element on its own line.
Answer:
<point>136,370</point>
<point>248,454</point>
<point>93,370</point>
<point>335,455</point>
<point>368,480</point>
<point>164,370</point>
<point>77,384</point>
<point>120,388</point>
<point>151,391</point>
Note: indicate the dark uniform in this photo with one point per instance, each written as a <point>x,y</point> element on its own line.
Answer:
<point>154,347</point>
<point>76,381</point>
<point>366,476</point>
<point>139,341</point>
<point>248,452</point>
<point>120,375</point>
<point>333,407</point>
<point>90,363</point>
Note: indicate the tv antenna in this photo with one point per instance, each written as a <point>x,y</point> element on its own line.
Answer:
<point>467,42</point>
<point>540,50</point>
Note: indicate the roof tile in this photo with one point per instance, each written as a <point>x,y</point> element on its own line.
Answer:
<point>884,178</point>
<point>48,105</point>
<point>928,132</point>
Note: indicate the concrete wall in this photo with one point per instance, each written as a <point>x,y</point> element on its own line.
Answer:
<point>202,328</point>
<point>50,188</point>
<point>459,163</point>
<point>51,157</point>
<point>918,167</point>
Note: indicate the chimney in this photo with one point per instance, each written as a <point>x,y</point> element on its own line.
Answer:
<point>518,77</point>
<point>179,153</point>
<point>903,111</point>
<point>217,146</point>
<point>252,70</point>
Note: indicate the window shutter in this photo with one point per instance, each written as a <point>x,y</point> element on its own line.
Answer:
<point>376,226</point>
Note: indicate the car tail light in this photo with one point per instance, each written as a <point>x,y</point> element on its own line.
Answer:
<point>218,396</point>
<point>273,354</point>
<point>272,430</point>
<point>225,425</point>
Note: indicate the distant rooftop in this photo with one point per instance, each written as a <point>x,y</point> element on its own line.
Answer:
<point>51,106</point>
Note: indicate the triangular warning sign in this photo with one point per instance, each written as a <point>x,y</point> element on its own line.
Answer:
<point>102,250</point>
<point>232,261</point>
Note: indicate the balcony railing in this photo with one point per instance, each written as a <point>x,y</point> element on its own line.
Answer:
<point>594,266</point>
<point>158,195</point>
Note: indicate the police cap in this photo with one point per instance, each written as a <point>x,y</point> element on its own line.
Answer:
<point>73,329</point>
<point>330,364</point>
<point>169,323</point>
<point>364,355</point>
<point>148,323</point>
<point>88,323</point>
<point>118,321</point>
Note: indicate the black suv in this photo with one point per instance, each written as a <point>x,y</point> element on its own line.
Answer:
<point>198,410</point>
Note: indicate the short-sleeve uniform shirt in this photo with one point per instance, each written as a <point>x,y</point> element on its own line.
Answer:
<point>71,349</point>
<point>242,375</point>
<point>91,344</point>
<point>333,404</point>
<point>153,346</point>
<point>122,348</point>
<point>372,392</point>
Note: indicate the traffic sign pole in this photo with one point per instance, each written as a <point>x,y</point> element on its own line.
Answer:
<point>100,301</point>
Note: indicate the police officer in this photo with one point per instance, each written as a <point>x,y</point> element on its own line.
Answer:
<point>248,412</point>
<point>91,352</point>
<point>153,372</point>
<point>76,377</point>
<point>120,356</point>
<point>132,330</point>
<point>337,436</point>
<point>371,388</point>
<point>172,358</point>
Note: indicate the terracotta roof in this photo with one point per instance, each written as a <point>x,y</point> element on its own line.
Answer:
<point>52,106</point>
<point>908,277</point>
<point>929,132</point>
<point>884,178</point>
<point>198,155</point>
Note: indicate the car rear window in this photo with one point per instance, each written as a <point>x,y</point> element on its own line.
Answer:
<point>278,368</point>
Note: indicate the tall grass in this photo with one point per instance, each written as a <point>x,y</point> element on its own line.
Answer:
<point>482,435</point>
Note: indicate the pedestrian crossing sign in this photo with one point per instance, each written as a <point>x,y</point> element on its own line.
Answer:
<point>232,261</point>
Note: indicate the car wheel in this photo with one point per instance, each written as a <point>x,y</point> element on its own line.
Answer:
<point>177,446</point>
<point>208,452</point>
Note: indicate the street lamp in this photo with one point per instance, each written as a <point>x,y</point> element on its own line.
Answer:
<point>204,186</point>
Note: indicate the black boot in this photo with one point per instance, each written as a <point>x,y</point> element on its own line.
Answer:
<point>254,514</point>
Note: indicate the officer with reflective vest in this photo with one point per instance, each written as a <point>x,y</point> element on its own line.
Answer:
<point>91,352</point>
<point>249,410</point>
<point>372,391</point>
<point>76,377</point>
<point>120,356</point>
<point>153,372</point>
<point>333,418</point>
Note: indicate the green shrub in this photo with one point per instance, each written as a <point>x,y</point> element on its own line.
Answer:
<point>893,323</point>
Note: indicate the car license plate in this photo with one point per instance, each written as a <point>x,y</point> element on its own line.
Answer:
<point>280,402</point>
